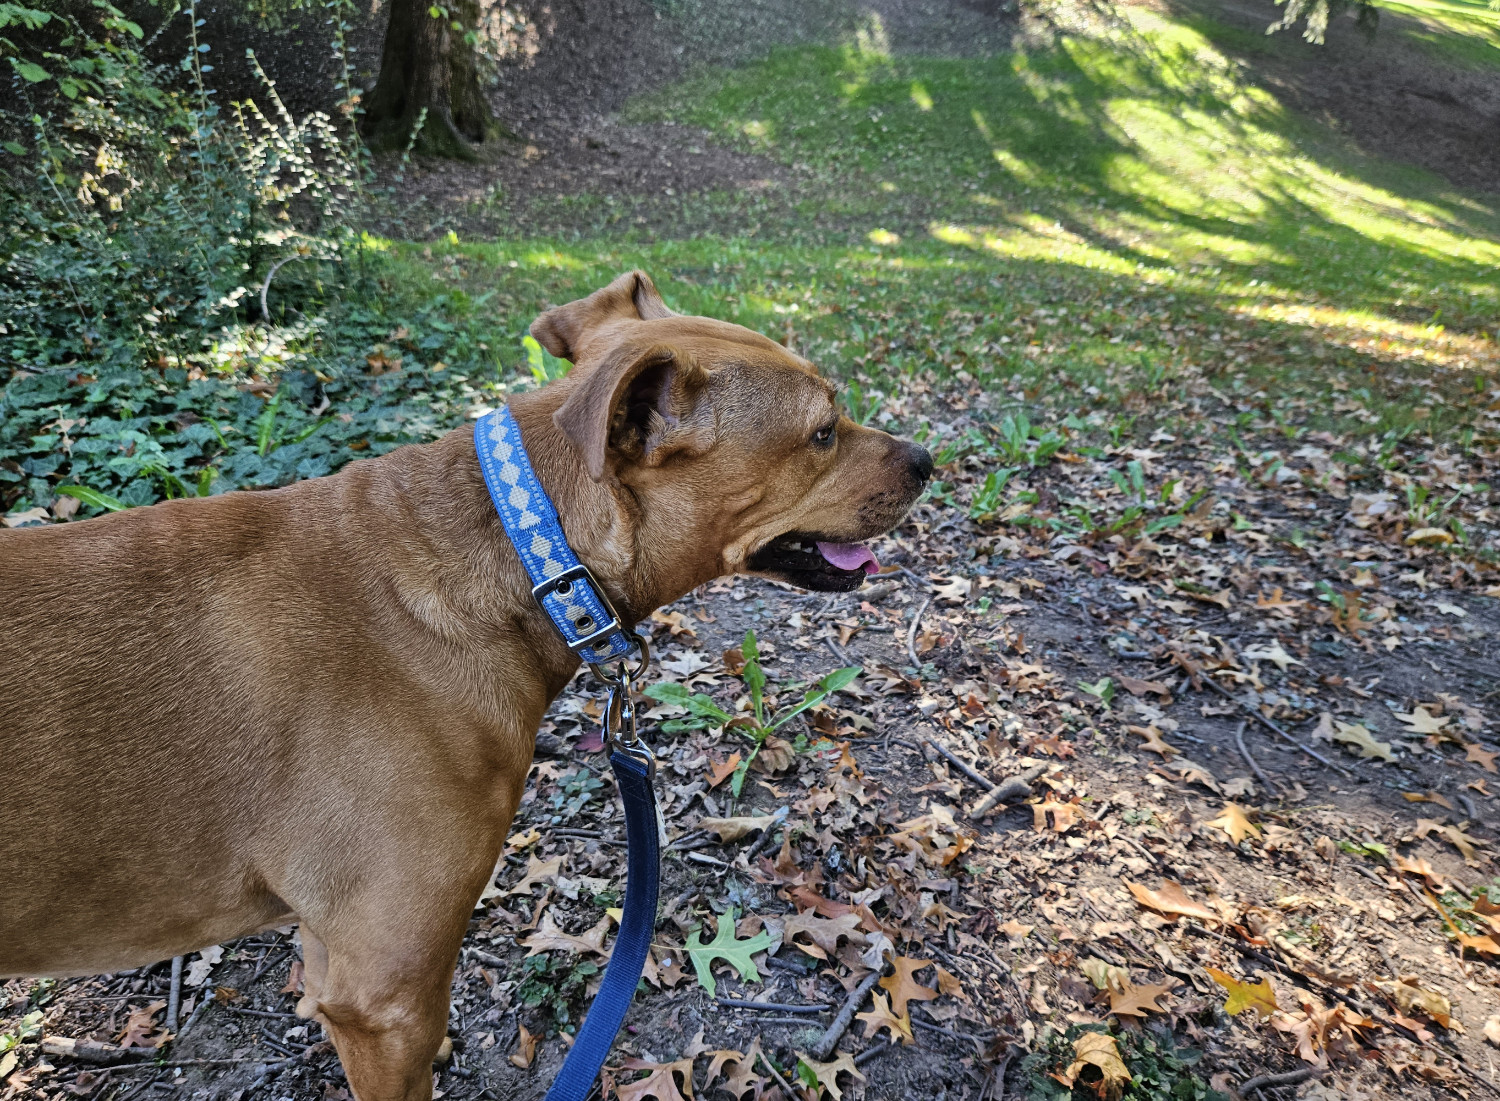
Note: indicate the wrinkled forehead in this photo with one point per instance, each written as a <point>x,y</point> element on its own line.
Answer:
<point>754,379</point>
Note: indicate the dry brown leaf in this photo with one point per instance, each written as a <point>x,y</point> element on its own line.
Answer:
<point>718,771</point>
<point>1477,754</point>
<point>732,829</point>
<point>1422,721</point>
<point>1410,997</point>
<point>1137,1001</point>
<point>823,932</point>
<point>1154,741</point>
<point>1236,823</point>
<point>1105,976</point>
<point>881,1017</point>
<point>140,1028</point>
<point>828,1073</point>
<point>549,936</point>
<point>537,871</point>
<point>1064,815</point>
<point>903,986</point>
<point>1492,1030</point>
<point>1097,1054</point>
<point>1452,834</point>
<point>525,1049</point>
<point>660,1084</point>
<point>776,755</point>
<point>1171,900</point>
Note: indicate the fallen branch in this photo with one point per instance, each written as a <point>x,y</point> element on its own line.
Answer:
<point>840,1024</point>
<point>957,762</point>
<point>776,1074</point>
<point>174,996</point>
<point>1011,790</point>
<point>774,1007</point>
<point>911,634</point>
<point>1265,781</point>
<point>1198,677</point>
<point>1270,1081</point>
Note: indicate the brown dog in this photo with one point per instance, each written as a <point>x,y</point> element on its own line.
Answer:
<point>319,703</point>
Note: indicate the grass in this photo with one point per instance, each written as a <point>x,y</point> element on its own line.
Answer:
<point>1121,229</point>
<point>1092,223</point>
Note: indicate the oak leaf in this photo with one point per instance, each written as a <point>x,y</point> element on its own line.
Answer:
<point>1236,823</point>
<point>140,1028</point>
<point>537,871</point>
<point>1137,1001</point>
<point>1097,1054</point>
<point>826,1075</point>
<point>1064,815</point>
<point>742,1079</point>
<point>1171,900</point>
<point>903,986</point>
<point>823,932</point>
<point>1105,976</point>
<point>549,936</point>
<point>1273,653</point>
<point>1154,741</point>
<point>1452,834</point>
<point>1409,996</point>
<point>1477,754</point>
<point>660,1084</point>
<point>881,1017</point>
<point>1359,736</point>
<point>1422,721</point>
<point>1242,995</point>
<point>726,947</point>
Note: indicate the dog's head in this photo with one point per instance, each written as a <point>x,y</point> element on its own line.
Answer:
<point>730,449</point>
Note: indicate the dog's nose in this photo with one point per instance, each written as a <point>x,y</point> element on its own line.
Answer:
<point>921,462</point>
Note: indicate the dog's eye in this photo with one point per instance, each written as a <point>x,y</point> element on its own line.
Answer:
<point>824,436</point>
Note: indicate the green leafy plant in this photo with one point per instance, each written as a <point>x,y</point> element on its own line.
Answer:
<point>1102,690</point>
<point>725,947</point>
<point>575,790</point>
<point>555,984</point>
<point>543,365</point>
<point>759,724</point>
<point>989,498</point>
<point>1159,1069</point>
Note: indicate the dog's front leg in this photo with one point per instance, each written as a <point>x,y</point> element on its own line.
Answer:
<point>381,989</point>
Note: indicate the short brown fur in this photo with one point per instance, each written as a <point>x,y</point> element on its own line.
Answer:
<point>319,703</point>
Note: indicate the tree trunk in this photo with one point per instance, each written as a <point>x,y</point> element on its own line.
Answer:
<point>426,63</point>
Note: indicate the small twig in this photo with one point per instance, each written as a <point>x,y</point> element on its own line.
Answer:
<point>840,1024</point>
<point>911,634</point>
<point>767,835</point>
<point>774,1007</point>
<point>957,762</point>
<point>1265,781</point>
<point>258,1012</point>
<point>873,1053</point>
<point>919,580</point>
<point>704,858</point>
<point>270,960</point>
<point>1254,713</point>
<point>174,995</point>
<point>837,650</point>
<point>776,1074</point>
<point>198,1011</point>
<point>1269,1081</point>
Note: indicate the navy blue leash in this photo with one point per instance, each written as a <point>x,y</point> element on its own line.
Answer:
<point>581,611</point>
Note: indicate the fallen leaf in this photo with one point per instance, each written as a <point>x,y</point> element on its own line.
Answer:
<point>824,933</point>
<point>140,1028</point>
<point>1242,995</point>
<point>660,1084</point>
<point>549,936</point>
<point>199,970</point>
<point>1154,741</point>
<point>538,871</point>
<point>1452,834</point>
<point>525,1049</point>
<point>903,986</point>
<point>1358,736</point>
<point>826,1075</point>
<point>1097,1053</point>
<point>1492,1030</point>
<point>1105,976</point>
<point>725,946</point>
<point>719,772</point>
<point>1235,823</point>
<point>1477,754</point>
<point>742,1079</point>
<point>1137,1001</point>
<point>732,829</point>
<point>1064,815</point>
<point>1172,899</point>
<point>1409,997</point>
<point>776,755</point>
<point>881,1017</point>
<point>1273,653</point>
<point>1422,721</point>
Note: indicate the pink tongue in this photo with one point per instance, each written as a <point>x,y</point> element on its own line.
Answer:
<point>850,556</point>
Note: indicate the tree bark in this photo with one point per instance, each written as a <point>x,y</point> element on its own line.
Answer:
<point>426,63</point>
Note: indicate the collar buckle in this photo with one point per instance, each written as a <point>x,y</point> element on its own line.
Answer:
<point>561,585</point>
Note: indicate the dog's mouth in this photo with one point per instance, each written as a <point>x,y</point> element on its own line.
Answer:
<point>811,562</point>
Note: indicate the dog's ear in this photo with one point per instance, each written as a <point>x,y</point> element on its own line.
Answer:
<point>562,331</point>
<point>644,403</point>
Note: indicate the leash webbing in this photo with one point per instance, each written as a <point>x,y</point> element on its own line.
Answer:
<point>580,609</point>
<point>628,959</point>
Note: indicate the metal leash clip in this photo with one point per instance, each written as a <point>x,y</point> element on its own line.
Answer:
<point>620,731</point>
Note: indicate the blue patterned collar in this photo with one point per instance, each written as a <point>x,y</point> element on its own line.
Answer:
<point>564,587</point>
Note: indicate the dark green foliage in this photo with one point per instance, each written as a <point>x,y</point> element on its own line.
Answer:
<point>556,985</point>
<point>1159,1069</point>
